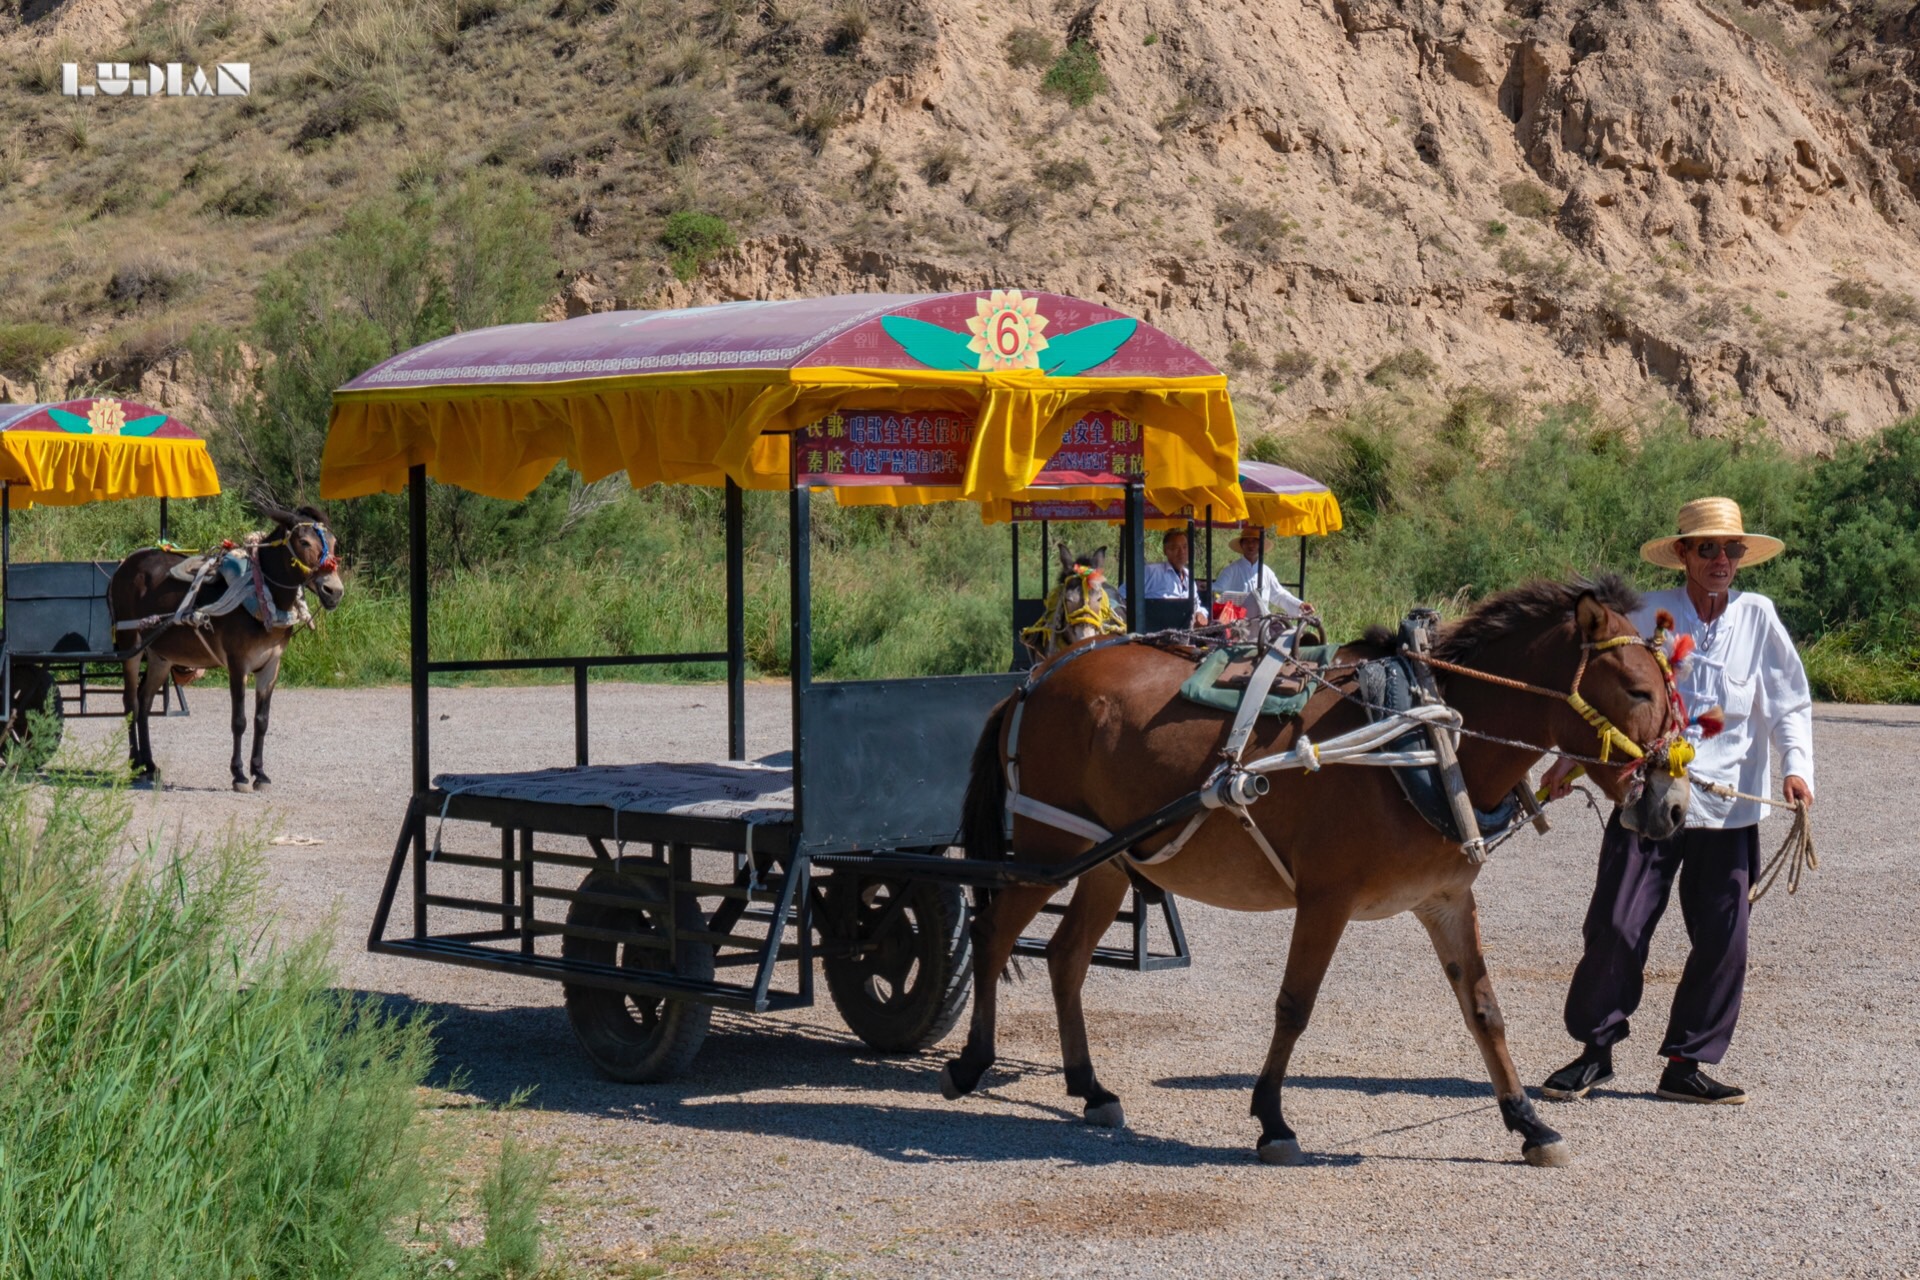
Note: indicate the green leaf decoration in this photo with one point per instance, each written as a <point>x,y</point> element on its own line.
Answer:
<point>71,422</point>
<point>931,345</point>
<point>144,426</point>
<point>1068,354</point>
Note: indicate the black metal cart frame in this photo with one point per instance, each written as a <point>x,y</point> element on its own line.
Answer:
<point>876,767</point>
<point>58,648</point>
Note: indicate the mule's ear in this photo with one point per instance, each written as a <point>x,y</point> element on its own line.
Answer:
<point>1591,617</point>
<point>1066,559</point>
<point>276,514</point>
<point>1098,560</point>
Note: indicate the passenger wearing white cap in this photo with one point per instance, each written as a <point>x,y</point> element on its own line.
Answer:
<point>1249,576</point>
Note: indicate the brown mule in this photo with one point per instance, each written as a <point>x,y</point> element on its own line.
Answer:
<point>299,555</point>
<point>1108,738</point>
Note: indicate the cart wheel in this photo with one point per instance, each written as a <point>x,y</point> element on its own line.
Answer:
<point>636,1039</point>
<point>907,991</point>
<point>34,695</point>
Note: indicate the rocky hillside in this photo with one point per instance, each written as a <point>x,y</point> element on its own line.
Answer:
<point>1713,203</point>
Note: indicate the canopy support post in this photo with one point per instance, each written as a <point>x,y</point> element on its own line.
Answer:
<point>1013,527</point>
<point>1136,557</point>
<point>736,624</point>
<point>1303,566</point>
<point>163,520</point>
<point>1209,550</point>
<point>417,616</point>
<point>800,634</point>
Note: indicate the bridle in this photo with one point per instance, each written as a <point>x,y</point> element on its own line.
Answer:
<point>1057,620</point>
<point>1679,751</point>
<point>329,561</point>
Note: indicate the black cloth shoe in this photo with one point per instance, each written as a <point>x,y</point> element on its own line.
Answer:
<point>1686,1082</point>
<point>1595,1066</point>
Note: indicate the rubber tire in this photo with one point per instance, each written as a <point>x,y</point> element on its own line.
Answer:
<point>934,932</point>
<point>627,1039</point>
<point>34,690</point>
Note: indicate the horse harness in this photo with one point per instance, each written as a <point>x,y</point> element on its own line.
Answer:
<point>1056,621</point>
<point>247,583</point>
<point>1411,730</point>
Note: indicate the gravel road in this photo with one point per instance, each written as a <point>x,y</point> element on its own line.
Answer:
<point>791,1150</point>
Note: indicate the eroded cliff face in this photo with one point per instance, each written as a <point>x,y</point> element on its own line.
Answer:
<point>1653,198</point>
<point>1707,202</point>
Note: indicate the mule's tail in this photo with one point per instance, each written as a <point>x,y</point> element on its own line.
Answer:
<point>983,832</point>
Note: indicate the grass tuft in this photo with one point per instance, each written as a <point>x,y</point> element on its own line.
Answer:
<point>692,239</point>
<point>1076,75</point>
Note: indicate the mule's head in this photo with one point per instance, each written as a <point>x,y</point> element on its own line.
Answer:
<point>1080,606</point>
<point>312,551</point>
<point>1631,718</point>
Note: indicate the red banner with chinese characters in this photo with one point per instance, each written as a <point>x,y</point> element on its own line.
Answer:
<point>1100,448</point>
<point>1070,509</point>
<point>861,447</point>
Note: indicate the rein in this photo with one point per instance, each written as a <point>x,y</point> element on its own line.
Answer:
<point>1679,750</point>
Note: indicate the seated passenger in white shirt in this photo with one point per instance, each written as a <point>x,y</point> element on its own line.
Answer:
<point>1248,576</point>
<point>1174,579</point>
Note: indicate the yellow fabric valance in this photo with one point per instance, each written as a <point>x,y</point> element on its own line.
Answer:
<point>705,427</point>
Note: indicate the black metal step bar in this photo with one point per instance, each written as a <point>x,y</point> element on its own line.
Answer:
<point>1140,957</point>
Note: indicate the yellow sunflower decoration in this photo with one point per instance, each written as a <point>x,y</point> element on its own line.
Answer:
<point>1007,331</point>
<point>106,417</point>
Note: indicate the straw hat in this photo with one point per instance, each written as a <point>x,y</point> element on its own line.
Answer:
<point>1717,518</point>
<point>1249,531</point>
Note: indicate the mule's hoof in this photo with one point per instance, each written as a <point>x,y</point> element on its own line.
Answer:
<point>1108,1115</point>
<point>948,1089</point>
<point>261,786</point>
<point>243,786</point>
<point>1548,1155</point>
<point>1283,1151</point>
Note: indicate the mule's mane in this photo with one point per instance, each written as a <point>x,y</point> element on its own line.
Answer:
<point>1536,603</point>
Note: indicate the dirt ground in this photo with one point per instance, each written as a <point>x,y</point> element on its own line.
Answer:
<point>792,1150</point>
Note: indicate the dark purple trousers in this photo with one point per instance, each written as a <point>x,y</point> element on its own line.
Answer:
<point>1636,875</point>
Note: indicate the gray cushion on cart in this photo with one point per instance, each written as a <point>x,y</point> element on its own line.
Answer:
<point>738,790</point>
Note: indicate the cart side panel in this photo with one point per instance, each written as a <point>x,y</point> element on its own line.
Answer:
<point>59,607</point>
<point>887,760</point>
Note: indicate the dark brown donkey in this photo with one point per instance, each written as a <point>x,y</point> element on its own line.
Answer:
<point>1107,737</point>
<point>299,555</point>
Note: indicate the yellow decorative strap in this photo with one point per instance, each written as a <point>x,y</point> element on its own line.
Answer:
<point>1610,737</point>
<point>1601,646</point>
<point>1679,756</point>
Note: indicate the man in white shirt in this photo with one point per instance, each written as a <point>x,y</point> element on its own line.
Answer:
<point>1173,580</point>
<point>1249,576</point>
<point>1745,664</point>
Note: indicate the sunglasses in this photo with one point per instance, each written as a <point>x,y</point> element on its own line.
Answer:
<point>1712,550</point>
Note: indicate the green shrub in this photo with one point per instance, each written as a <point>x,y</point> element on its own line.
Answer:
<point>941,163</point>
<point>1254,229</point>
<point>1529,200</point>
<point>260,193</point>
<point>693,239</point>
<point>1859,541</point>
<point>1028,48</point>
<point>1851,293</point>
<point>1409,364</point>
<point>1292,365</point>
<point>1064,175</point>
<point>25,347</point>
<point>1076,75</point>
<point>179,1101</point>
